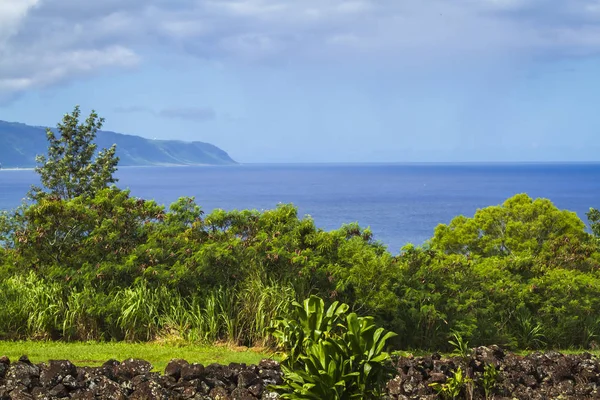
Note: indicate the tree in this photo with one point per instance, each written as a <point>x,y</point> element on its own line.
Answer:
<point>84,239</point>
<point>72,166</point>
<point>521,225</point>
<point>594,219</point>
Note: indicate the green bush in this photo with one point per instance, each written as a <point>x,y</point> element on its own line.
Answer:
<point>331,354</point>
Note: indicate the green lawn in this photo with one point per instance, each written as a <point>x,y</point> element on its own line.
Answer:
<point>95,353</point>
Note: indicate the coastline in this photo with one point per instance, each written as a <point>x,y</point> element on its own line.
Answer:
<point>135,166</point>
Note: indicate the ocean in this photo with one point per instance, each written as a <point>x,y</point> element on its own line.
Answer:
<point>401,203</point>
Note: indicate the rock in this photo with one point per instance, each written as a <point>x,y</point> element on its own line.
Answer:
<point>246,379</point>
<point>192,371</point>
<point>213,382</point>
<point>151,390</point>
<point>271,376</point>
<point>3,370</point>
<point>20,395</point>
<point>130,368</point>
<point>529,381</point>
<point>241,394</point>
<point>24,359</point>
<point>22,374</point>
<point>174,368</point>
<point>105,388</point>
<point>139,380</point>
<point>204,387</point>
<point>40,393</point>
<point>219,393</point>
<point>235,369</point>
<point>437,377</point>
<point>566,387</point>
<point>410,386</point>
<point>72,383</point>
<point>268,364</point>
<point>56,370</point>
<point>189,391</point>
<point>220,372</point>
<point>107,369</point>
<point>548,375</point>
<point>83,394</point>
<point>256,390</point>
<point>168,382</point>
<point>394,387</point>
<point>59,391</point>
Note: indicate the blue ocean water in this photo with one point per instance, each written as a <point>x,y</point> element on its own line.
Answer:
<point>401,203</point>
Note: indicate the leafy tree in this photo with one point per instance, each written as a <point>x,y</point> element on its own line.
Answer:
<point>73,167</point>
<point>85,239</point>
<point>594,218</point>
<point>520,225</point>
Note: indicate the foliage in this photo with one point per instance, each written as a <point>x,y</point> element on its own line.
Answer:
<point>89,262</point>
<point>594,218</point>
<point>519,226</point>
<point>460,345</point>
<point>489,380</point>
<point>227,274</point>
<point>454,386</point>
<point>79,240</point>
<point>331,354</point>
<point>36,308</point>
<point>73,167</point>
<point>311,324</point>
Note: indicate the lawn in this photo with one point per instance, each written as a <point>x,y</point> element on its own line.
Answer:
<point>96,353</point>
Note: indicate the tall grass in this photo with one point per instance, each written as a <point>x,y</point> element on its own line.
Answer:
<point>30,307</point>
<point>35,308</point>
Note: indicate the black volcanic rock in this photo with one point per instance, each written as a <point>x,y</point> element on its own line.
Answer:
<point>548,375</point>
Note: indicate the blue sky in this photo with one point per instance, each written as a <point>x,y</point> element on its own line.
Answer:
<point>316,80</point>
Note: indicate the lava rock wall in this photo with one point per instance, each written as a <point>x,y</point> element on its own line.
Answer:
<point>548,375</point>
<point>133,379</point>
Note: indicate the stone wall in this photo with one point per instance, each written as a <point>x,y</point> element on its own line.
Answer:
<point>548,375</point>
<point>132,379</point>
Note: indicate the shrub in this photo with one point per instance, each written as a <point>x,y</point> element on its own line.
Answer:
<point>331,354</point>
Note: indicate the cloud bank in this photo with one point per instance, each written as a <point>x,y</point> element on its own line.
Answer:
<point>47,42</point>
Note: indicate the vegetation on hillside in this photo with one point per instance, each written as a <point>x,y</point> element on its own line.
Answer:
<point>95,262</point>
<point>20,144</point>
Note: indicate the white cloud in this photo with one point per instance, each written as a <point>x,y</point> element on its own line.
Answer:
<point>44,42</point>
<point>23,70</point>
<point>12,13</point>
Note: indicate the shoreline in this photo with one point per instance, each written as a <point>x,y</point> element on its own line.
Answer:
<point>134,166</point>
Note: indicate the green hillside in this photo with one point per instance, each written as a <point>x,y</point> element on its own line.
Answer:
<point>20,143</point>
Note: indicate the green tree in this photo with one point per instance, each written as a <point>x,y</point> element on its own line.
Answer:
<point>594,219</point>
<point>84,239</point>
<point>521,225</point>
<point>73,167</point>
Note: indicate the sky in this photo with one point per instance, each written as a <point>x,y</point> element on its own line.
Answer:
<point>316,80</point>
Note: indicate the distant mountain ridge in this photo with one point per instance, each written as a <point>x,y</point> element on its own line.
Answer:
<point>20,143</point>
